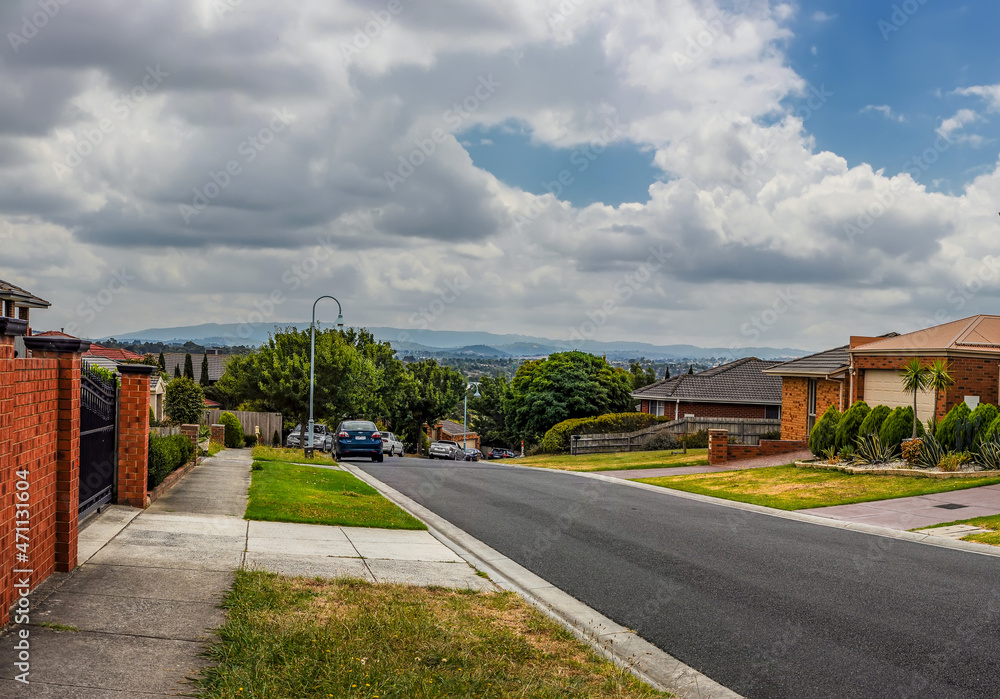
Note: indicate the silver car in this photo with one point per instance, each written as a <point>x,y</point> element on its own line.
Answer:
<point>446,449</point>
<point>391,444</point>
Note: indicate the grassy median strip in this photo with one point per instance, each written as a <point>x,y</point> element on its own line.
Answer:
<point>623,461</point>
<point>303,638</point>
<point>991,522</point>
<point>291,456</point>
<point>790,488</point>
<point>291,493</point>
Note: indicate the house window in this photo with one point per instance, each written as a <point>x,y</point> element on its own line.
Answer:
<point>772,412</point>
<point>658,410</point>
<point>811,406</point>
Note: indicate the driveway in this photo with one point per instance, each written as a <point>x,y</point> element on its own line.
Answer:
<point>767,606</point>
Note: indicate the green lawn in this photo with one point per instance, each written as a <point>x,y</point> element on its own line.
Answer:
<point>311,639</point>
<point>282,492</point>
<point>292,456</point>
<point>991,522</point>
<point>621,461</point>
<point>790,488</point>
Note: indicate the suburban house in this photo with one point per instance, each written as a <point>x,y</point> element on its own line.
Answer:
<point>216,363</point>
<point>113,353</point>
<point>17,303</point>
<point>868,369</point>
<point>739,389</point>
<point>455,431</point>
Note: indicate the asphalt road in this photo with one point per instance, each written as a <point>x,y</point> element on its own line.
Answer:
<point>766,606</point>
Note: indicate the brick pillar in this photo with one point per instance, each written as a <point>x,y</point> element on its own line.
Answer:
<point>718,447</point>
<point>133,434</point>
<point>191,432</point>
<point>6,475</point>
<point>68,352</point>
<point>219,434</point>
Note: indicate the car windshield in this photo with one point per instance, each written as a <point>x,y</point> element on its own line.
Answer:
<point>358,426</point>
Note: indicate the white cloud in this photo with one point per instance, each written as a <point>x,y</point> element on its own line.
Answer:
<point>885,110</point>
<point>820,16</point>
<point>950,127</point>
<point>990,93</point>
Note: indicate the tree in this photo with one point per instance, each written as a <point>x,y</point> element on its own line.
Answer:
<point>204,371</point>
<point>915,379</point>
<point>177,371</point>
<point>566,385</point>
<point>184,401</point>
<point>430,392</point>
<point>641,377</point>
<point>939,378</point>
<point>487,417</point>
<point>666,372</point>
<point>162,362</point>
<point>188,367</point>
<point>690,368</point>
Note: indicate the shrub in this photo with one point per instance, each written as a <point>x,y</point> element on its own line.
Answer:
<point>850,425</point>
<point>993,430</point>
<point>152,416</point>
<point>982,418</point>
<point>250,440</point>
<point>912,449</point>
<point>184,402</point>
<point>696,440</point>
<point>931,452</point>
<point>557,439</point>
<point>873,423</point>
<point>824,432</point>
<point>167,454</point>
<point>276,439</point>
<point>946,428</point>
<point>234,430</point>
<point>952,462</point>
<point>662,442</point>
<point>772,434</point>
<point>898,426</point>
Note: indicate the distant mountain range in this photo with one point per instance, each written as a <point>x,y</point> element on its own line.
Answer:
<point>453,342</point>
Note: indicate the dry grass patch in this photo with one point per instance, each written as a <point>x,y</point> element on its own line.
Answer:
<point>293,637</point>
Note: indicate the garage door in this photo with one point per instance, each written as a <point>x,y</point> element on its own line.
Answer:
<point>885,387</point>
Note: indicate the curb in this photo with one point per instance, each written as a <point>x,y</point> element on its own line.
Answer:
<point>885,532</point>
<point>615,642</point>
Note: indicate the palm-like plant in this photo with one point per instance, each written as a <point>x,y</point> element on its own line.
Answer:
<point>916,378</point>
<point>939,379</point>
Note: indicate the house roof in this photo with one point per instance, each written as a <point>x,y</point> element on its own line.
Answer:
<point>975,334</point>
<point>156,384</point>
<point>822,364</point>
<point>20,297</point>
<point>742,381</point>
<point>55,333</point>
<point>216,364</point>
<point>119,355</point>
<point>454,428</point>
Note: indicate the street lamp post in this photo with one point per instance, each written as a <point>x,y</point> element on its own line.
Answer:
<point>312,363</point>
<point>465,424</point>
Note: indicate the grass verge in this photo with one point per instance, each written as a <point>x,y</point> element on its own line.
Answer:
<point>290,493</point>
<point>624,461</point>
<point>991,522</point>
<point>291,456</point>
<point>214,448</point>
<point>294,637</point>
<point>790,488</point>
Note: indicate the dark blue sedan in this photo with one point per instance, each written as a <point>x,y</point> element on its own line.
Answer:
<point>358,438</point>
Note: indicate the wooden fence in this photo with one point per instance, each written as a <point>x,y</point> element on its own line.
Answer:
<point>269,423</point>
<point>166,430</point>
<point>741,431</point>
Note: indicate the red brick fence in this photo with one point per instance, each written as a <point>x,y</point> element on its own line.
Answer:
<point>720,450</point>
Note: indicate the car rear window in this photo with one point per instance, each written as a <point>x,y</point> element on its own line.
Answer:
<point>355,425</point>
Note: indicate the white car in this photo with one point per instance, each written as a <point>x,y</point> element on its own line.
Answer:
<point>391,444</point>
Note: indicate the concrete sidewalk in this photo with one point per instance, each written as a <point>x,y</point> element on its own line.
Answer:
<point>760,462</point>
<point>141,605</point>
<point>918,511</point>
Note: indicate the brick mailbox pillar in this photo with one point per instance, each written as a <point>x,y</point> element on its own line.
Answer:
<point>219,434</point>
<point>69,353</point>
<point>191,432</point>
<point>718,446</point>
<point>133,434</point>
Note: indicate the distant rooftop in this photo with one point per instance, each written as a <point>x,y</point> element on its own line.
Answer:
<point>742,381</point>
<point>822,364</point>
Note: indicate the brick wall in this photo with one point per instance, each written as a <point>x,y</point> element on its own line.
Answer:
<point>133,434</point>
<point>720,451</point>
<point>974,376</point>
<point>735,410</point>
<point>794,403</point>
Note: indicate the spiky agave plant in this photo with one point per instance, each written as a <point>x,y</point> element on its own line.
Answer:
<point>872,452</point>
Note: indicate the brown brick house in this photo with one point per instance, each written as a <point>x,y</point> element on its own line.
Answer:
<point>868,369</point>
<point>738,389</point>
<point>454,431</point>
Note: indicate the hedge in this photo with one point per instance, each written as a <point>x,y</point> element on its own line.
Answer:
<point>945,434</point>
<point>234,431</point>
<point>824,432</point>
<point>167,454</point>
<point>850,425</point>
<point>556,440</point>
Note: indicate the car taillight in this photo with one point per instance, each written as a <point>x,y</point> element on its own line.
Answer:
<point>376,435</point>
<point>343,435</point>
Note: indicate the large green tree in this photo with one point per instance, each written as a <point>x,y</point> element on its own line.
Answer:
<point>566,385</point>
<point>184,401</point>
<point>487,416</point>
<point>204,380</point>
<point>430,392</point>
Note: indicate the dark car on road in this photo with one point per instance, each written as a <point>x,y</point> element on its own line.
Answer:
<point>358,438</point>
<point>473,455</point>
<point>501,454</point>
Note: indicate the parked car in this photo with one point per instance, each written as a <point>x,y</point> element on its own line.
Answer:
<point>358,438</point>
<point>391,444</point>
<point>473,455</point>
<point>501,454</point>
<point>322,439</point>
<point>446,449</point>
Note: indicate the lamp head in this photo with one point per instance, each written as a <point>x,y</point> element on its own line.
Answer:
<point>340,320</point>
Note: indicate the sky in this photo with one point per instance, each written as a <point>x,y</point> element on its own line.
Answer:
<point>730,173</point>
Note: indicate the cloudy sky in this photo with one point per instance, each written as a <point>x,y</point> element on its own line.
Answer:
<point>719,172</point>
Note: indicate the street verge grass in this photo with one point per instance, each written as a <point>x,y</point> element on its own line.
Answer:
<point>214,448</point>
<point>791,488</point>
<point>991,522</point>
<point>282,492</point>
<point>311,638</point>
<point>291,456</point>
<point>622,461</point>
